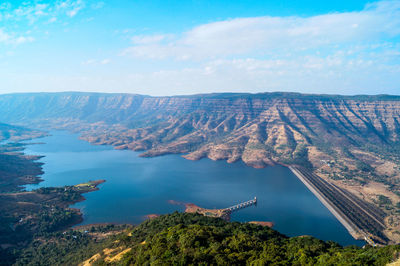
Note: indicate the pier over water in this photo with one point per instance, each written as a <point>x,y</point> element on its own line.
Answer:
<point>242,205</point>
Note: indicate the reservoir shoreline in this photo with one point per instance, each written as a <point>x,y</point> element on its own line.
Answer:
<point>139,186</point>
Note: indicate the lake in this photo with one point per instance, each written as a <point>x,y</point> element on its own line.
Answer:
<point>137,186</point>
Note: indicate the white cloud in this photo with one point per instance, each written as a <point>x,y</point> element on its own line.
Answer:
<point>347,53</point>
<point>96,62</point>
<point>23,39</point>
<point>4,37</point>
<point>32,12</point>
<point>334,74</point>
<point>149,39</point>
<point>89,62</point>
<point>269,35</point>
<point>7,38</point>
<point>72,13</point>
<point>97,5</point>
<point>5,5</point>
<point>70,7</point>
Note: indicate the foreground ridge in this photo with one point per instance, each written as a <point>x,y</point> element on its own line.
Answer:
<point>192,239</point>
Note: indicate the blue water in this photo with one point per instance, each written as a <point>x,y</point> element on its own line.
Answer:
<point>138,186</point>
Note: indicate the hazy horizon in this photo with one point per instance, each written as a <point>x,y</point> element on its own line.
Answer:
<point>194,47</point>
<point>207,93</point>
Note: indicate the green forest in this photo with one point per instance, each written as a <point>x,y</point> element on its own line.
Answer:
<point>192,239</point>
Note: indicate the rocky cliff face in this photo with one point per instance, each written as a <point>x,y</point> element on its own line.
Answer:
<point>259,129</point>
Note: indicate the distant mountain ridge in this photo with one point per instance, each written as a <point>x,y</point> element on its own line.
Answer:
<point>272,124</point>
<point>120,107</point>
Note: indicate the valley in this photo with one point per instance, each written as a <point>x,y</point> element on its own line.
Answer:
<point>35,224</point>
<point>352,142</point>
<point>191,132</point>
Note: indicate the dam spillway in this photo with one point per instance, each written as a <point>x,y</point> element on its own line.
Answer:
<point>362,220</point>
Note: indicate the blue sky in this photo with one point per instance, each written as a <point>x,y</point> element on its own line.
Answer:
<point>186,47</point>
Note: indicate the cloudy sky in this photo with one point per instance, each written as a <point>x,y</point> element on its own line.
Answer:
<point>167,47</point>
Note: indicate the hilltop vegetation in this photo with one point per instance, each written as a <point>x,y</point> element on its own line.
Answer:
<point>192,239</point>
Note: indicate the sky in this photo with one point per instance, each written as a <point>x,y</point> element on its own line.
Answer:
<point>177,47</point>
